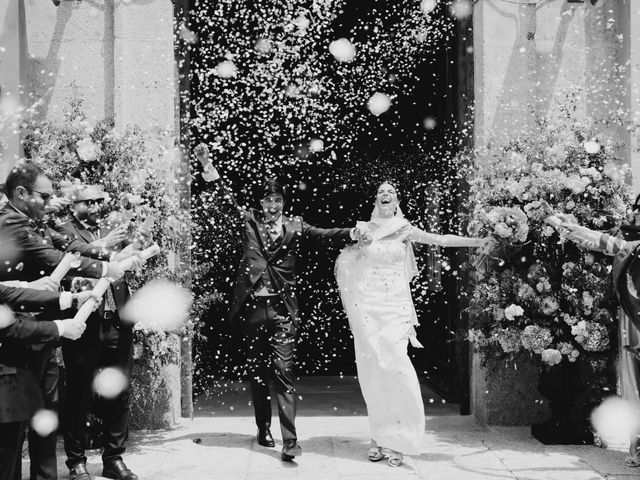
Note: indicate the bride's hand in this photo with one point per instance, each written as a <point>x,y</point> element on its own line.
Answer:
<point>487,244</point>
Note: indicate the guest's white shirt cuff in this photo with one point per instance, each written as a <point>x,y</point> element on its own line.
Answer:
<point>66,299</point>
<point>60,326</point>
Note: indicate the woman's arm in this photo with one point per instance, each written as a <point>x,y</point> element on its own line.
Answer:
<point>594,240</point>
<point>420,236</point>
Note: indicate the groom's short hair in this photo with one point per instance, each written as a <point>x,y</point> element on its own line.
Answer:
<point>273,186</point>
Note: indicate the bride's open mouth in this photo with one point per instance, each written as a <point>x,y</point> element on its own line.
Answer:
<point>385,200</point>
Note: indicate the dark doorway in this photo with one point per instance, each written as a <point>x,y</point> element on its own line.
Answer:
<point>413,144</point>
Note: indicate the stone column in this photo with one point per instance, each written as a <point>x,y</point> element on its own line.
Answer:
<point>144,94</point>
<point>144,68</point>
<point>67,56</point>
<point>13,48</point>
<point>505,64</point>
<point>631,35</point>
<point>504,56</point>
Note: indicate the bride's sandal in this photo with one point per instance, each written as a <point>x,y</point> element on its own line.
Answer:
<point>395,459</point>
<point>632,460</point>
<point>375,452</point>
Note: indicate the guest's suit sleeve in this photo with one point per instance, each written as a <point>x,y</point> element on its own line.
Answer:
<point>27,330</point>
<point>29,299</point>
<point>40,252</point>
<point>65,239</point>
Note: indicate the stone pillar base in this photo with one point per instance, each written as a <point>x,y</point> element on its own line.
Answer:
<point>505,393</point>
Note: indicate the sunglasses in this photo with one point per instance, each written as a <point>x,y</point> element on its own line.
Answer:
<point>44,196</point>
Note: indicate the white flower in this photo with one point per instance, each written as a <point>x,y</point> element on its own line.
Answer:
<point>87,150</point>
<point>551,356</point>
<point>576,183</point>
<point>549,305</point>
<point>513,311</point>
<point>591,172</point>
<point>134,199</point>
<point>502,230</point>
<point>515,189</point>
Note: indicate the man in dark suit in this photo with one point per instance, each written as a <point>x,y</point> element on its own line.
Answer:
<point>264,302</point>
<point>30,250</point>
<point>20,395</point>
<point>106,343</point>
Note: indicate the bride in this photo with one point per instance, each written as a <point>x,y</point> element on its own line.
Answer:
<point>373,278</point>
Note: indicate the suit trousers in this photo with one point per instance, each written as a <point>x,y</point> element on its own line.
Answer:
<point>270,338</point>
<point>83,359</point>
<point>42,450</point>
<point>11,438</point>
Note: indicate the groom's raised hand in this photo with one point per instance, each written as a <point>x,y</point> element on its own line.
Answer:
<point>210,174</point>
<point>202,154</point>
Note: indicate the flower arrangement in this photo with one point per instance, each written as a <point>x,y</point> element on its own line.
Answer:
<point>536,292</point>
<point>141,189</point>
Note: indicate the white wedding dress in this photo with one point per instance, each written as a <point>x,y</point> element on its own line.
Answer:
<point>374,285</point>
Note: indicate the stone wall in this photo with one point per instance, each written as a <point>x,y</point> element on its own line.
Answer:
<point>13,74</point>
<point>525,56</point>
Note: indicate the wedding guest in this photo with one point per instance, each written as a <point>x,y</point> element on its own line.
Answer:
<point>31,249</point>
<point>20,395</point>
<point>265,305</point>
<point>108,342</point>
<point>626,279</point>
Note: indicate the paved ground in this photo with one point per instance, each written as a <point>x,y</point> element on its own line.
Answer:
<point>220,444</point>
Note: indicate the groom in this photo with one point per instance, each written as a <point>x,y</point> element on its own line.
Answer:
<point>265,305</point>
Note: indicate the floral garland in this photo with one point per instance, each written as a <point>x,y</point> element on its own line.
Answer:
<point>536,292</point>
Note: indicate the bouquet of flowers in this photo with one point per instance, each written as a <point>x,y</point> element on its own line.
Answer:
<point>537,292</point>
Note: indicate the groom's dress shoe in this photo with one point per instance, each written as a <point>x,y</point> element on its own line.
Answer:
<point>265,439</point>
<point>119,471</point>
<point>79,472</point>
<point>290,450</point>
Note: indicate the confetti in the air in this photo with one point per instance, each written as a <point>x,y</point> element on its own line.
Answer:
<point>379,103</point>
<point>110,382</point>
<point>342,50</point>
<point>226,69</point>
<point>316,145</point>
<point>428,6</point>
<point>158,305</point>
<point>592,147</point>
<point>44,422</point>
<point>616,419</point>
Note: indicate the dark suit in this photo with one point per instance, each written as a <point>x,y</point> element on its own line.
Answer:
<point>31,251</point>
<point>105,343</point>
<point>270,323</point>
<point>20,392</point>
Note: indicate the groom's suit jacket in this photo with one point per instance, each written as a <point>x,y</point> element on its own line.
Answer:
<point>274,262</point>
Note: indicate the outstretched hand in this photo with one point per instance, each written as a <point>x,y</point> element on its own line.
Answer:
<point>582,235</point>
<point>487,244</point>
<point>202,153</point>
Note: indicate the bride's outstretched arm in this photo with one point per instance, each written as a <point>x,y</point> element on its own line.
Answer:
<point>420,236</point>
